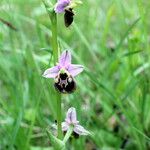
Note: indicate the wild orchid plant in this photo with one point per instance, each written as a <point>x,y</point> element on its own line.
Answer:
<point>63,73</point>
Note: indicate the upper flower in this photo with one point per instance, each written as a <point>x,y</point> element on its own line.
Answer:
<point>61,5</point>
<point>71,120</point>
<point>64,65</point>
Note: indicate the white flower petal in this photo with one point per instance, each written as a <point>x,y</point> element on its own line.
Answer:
<point>71,116</point>
<point>74,70</point>
<point>65,126</point>
<point>51,72</point>
<point>80,130</point>
<point>65,59</point>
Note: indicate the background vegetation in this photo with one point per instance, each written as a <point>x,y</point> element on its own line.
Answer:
<point>111,39</point>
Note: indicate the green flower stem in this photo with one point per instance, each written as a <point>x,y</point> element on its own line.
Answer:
<point>53,18</point>
<point>59,127</point>
<point>55,54</point>
<point>68,134</point>
<point>54,36</point>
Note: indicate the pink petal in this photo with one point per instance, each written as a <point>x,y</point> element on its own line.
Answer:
<point>75,69</point>
<point>71,116</point>
<point>65,126</point>
<point>65,59</point>
<point>51,72</point>
<point>61,5</point>
<point>80,130</point>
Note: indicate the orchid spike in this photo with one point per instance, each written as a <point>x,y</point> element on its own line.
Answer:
<point>64,73</point>
<point>71,120</point>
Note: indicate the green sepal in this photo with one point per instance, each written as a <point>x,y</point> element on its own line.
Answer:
<point>56,143</point>
<point>74,4</point>
<point>50,10</point>
<point>49,7</point>
<point>78,2</point>
<point>47,3</point>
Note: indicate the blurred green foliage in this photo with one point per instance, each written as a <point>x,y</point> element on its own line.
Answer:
<point>111,39</point>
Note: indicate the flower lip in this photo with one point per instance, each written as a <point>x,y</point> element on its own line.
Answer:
<point>64,83</point>
<point>63,76</point>
<point>68,17</point>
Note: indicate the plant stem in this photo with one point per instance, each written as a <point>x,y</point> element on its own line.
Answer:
<point>53,18</point>
<point>55,54</point>
<point>59,128</point>
<point>54,37</point>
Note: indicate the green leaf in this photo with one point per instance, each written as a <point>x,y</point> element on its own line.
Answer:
<point>57,144</point>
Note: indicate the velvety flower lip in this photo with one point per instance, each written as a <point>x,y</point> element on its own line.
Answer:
<point>61,5</point>
<point>71,120</point>
<point>64,65</point>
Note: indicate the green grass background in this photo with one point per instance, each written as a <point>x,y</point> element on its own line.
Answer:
<point>111,39</point>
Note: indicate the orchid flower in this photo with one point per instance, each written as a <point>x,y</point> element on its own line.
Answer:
<point>66,7</point>
<point>64,73</point>
<point>71,120</point>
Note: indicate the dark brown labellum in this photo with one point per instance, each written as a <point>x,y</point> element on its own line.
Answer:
<point>75,135</point>
<point>65,83</point>
<point>68,17</point>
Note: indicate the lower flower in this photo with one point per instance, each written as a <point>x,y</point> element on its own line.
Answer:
<point>71,121</point>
